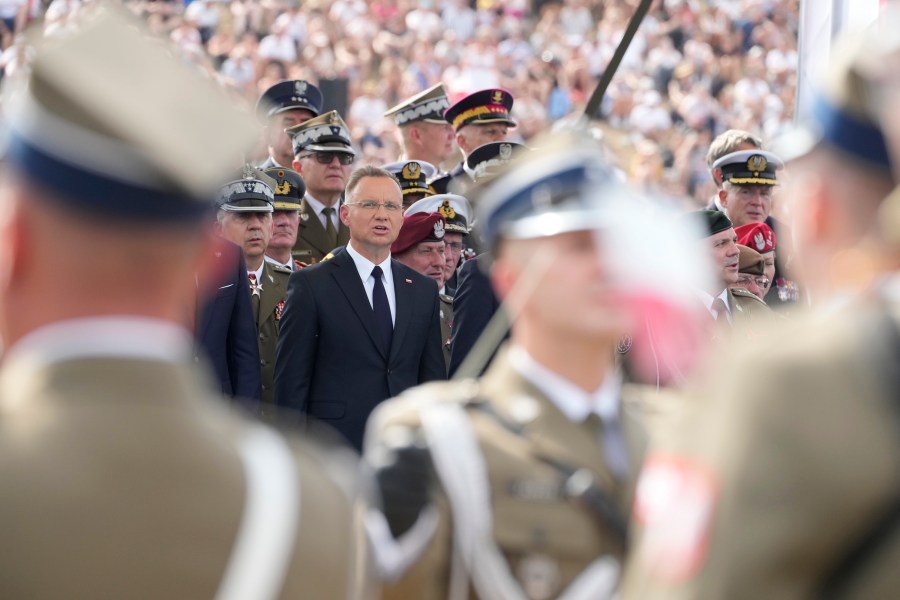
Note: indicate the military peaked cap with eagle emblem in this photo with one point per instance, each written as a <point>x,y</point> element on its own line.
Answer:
<point>485,160</point>
<point>426,106</point>
<point>455,210</point>
<point>325,133</point>
<point>749,167</point>
<point>481,108</point>
<point>289,188</point>
<point>288,95</point>
<point>253,192</point>
<point>412,175</point>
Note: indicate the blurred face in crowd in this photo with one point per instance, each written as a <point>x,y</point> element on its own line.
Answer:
<point>373,213</point>
<point>573,298</point>
<point>453,247</point>
<point>324,182</point>
<point>470,137</point>
<point>750,283</point>
<point>435,139</point>
<point>769,269</point>
<point>426,258</point>
<point>285,224</point>
<point>746,203</point>
<point>278,141</point>
<point>726,255</point>
<point>249,230</point>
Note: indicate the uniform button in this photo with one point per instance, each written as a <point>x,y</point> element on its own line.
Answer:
<point>262,337</point>
<point>389,371</point>
<point>263,363</point>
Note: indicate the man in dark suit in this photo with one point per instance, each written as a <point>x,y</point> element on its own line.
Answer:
<point>323,155</point>
<point>360,327</point>
<point>473,306</point>
<point>225,329</point>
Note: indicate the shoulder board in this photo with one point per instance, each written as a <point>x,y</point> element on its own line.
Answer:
<point>446,299</point>
<point>742,293</point>
<point>280,269</point>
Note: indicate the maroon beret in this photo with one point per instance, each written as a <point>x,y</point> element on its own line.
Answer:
<point>418,227</point>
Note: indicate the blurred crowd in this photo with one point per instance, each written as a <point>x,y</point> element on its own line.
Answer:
<point>695,68</point>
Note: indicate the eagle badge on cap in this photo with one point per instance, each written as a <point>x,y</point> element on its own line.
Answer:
<point>446,210</point>
<point>760,241</point>
<point>756,163</point>
<point>497,97</point>
<point>411,170</point>
<point>505,151</point>
<point>284,188</point>
<point>300,88</point>
<point>439,230</point>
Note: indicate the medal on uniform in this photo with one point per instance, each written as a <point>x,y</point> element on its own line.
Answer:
<point>624,344</point>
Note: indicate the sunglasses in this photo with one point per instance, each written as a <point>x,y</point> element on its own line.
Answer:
<point>325,158</point>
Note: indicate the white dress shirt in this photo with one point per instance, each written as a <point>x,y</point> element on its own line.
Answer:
<point>575,403</point>
<point>318,207</point>
<point>708,300</point>
<point>364,266</point>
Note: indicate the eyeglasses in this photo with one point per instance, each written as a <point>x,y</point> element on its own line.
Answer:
<point>371,205</point>
<point>325,158</point>
<point>455,246</point>
<point>761,282</point>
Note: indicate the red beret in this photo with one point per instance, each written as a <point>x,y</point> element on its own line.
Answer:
<point>758,236</point>
<point>418,227</point>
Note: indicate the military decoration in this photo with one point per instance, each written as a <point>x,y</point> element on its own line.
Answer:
<point>279,310</point>
<point>624,344</point>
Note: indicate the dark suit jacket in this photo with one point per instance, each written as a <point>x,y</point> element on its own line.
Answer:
<point>312,241</point>
<point>226,330</point>
<point>330,363</point>
<point>473,306</point>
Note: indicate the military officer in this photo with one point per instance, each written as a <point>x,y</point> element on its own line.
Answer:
<point>751,272</point>
<point>761,238</point>
<point>456,210</point>
<point>420,246</point>
<point>479,118</point>
<point>532,464</point>
<point>124,475</point>
<point>784,485</point>
<point>289,191</point>
<point>424,134</point>
<point>413,176</point>
<point>323,155</point>
<point>245,209</point>
<point>282,106</point>
<point>727,306</point>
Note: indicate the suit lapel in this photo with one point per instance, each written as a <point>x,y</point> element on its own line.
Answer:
<point>347,277</point>
<point>270,295</point>
<point>312,231</point>
<point>404,295</point>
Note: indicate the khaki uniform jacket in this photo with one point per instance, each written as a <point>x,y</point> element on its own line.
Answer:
<point>789,464</point>
<point>446,308</point>
<point>312,242</point>
<point>547,537</point>
<point>271,307</point>
<point>122,478</point>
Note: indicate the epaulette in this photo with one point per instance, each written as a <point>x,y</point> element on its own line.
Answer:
<point>280,269</point>
<point>745,294</point>
<point>328,256</point>
<point>446,298</point>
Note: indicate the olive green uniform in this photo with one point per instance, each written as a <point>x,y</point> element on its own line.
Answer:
<point>793,469</point>
<point>271,305</point>
<point>546,534</point>
<point>127,478</point>
<point>312,241</point>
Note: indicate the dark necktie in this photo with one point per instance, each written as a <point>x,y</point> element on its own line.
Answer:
<point>382,310</point>
<point>329,226</point>
<point>718,305</point>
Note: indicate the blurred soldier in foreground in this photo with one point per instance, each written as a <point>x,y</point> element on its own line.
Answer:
<point>785,485</point>
<point>517,485</point>
<point>123,474</point>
